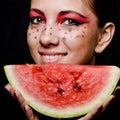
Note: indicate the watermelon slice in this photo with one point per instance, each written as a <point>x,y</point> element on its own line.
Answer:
<point>63,90</point>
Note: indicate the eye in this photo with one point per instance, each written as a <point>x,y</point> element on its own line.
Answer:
<point>36,20</point>
<point>71,22</point>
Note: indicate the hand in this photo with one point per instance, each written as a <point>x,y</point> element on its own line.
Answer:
<point>32,115</point>
<point>27,110</point>
<point>98,110</point>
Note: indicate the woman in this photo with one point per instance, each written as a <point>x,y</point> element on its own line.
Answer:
<point>68,31</point>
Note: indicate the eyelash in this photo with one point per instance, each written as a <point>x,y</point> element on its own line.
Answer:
<point>71,22</point>
<point>36,20</point>
<point>65,21</point>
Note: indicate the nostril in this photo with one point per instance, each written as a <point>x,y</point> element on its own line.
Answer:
<point>48,40</point>
<point>48,36</point>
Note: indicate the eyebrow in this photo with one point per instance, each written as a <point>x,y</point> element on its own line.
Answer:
<point>62,12</point>
<point>71,11</point>
<point>36,10</point>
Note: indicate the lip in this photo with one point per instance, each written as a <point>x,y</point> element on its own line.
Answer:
<point>51,57</point>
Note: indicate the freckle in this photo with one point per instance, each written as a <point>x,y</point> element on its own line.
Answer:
<point>50,33</point>
<point>59,29</point>
<point>37,30</point>
<point>65,32</point>
<point>82,36</point>
<point>51,28</point>
<point>35,37</point>
<point>64,38</point>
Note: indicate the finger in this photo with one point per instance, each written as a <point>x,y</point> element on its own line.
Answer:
<point>16,94</point>
<point>30,114</point>
<point>111,98</point>
<point>117,91</point>
<point>26,108</point>
<point>9,89</point>
<point>19,98</point>
<point>93,113</point>
<point>108,102</point>
<point>118,87</point>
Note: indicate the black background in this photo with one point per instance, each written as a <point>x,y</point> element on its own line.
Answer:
<point>13,50</point>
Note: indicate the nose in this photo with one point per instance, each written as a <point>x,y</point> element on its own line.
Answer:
<point>49,37</point>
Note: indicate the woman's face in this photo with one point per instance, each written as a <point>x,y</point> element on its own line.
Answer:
<point>62,31</point>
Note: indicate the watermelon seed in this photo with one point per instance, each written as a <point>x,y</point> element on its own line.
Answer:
<point>76,86</point>
<point>60,90</point>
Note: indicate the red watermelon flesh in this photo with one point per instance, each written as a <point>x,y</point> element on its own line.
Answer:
<point>63,90</point>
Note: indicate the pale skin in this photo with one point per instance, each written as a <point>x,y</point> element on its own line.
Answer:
<point>64,34</point>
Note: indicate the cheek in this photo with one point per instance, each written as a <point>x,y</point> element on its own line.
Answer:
<point>76,39</point>
<point>33,35</point>
<point>73,35</point>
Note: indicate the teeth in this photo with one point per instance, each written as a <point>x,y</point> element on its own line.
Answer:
<point>51,58</point>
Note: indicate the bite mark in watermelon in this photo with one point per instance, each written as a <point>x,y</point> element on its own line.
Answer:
<point>63,90</point>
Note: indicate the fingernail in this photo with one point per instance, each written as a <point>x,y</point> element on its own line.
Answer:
<point>15,94</point>
<point>100,108</point>
<point>7,87</point>
<point>117,92</point>
<point>24,108</point>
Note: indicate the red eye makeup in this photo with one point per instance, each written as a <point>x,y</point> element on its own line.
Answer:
<point>36,13</point>
<point>71,15</point>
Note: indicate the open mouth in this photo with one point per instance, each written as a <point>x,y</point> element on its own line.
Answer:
<point>51,58</point>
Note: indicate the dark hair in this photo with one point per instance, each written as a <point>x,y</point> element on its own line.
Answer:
<point>108,11</point>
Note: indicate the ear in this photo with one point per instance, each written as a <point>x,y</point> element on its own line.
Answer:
<point>105,37</point>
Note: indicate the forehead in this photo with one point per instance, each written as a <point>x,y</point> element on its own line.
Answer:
<point>78,5</point>
<point>52,8</point>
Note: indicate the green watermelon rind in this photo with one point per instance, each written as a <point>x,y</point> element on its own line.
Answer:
<point>70,112</point>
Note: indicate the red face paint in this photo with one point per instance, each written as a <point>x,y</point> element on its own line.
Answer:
<point>36,13</point>
<point>71,15</point>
